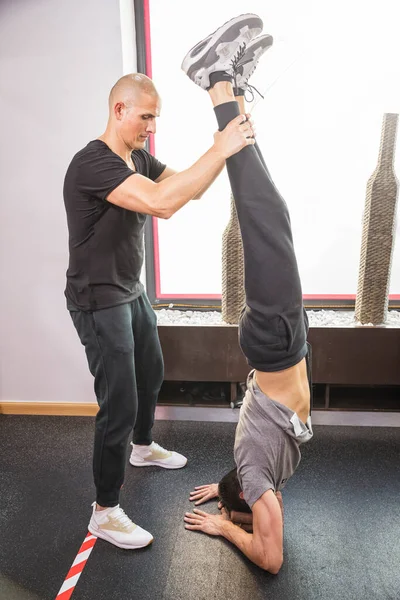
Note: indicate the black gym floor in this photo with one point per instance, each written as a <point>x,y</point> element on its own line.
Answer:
<point>342,517</point>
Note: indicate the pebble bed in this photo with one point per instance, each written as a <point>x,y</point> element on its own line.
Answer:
<point>317,318</point>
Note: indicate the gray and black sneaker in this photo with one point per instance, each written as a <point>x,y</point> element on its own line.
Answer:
<point>220,50</point>
<point>247,63</point>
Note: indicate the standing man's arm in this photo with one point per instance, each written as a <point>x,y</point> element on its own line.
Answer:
<point>264,546</point>
<point>168,172</point>
<point>163,199</point>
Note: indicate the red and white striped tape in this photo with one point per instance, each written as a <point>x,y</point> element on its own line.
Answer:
<point>77,567</point>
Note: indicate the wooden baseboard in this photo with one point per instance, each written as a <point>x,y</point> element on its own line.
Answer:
<point>70,409</point>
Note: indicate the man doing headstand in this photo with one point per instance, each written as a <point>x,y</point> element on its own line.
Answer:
<point>274,419</point>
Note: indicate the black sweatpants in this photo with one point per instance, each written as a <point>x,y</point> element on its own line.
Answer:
<point>124,356</point>
<point>273,326</point>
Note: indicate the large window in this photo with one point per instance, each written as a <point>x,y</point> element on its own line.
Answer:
<point>333,71</point>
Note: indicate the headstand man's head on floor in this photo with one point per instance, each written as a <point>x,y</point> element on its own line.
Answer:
<point>231,495</point>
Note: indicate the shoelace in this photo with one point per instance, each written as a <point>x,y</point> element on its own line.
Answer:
<point>238,56</point>
<point>159,448</point>
<point>250,89</point>
<point>122,518</point>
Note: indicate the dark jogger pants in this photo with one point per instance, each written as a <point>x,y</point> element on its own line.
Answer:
<point>273,326</point>
<point>125,359</point>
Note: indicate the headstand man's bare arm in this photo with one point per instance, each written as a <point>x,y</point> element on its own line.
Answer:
<point>264,546</point>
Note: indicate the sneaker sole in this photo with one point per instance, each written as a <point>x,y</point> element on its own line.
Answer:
<point>155,464</point>
<point>265,40</point>
<point>229,32</point>
<point>104,536</point>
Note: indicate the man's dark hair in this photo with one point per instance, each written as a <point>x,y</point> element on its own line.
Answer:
<point>229,490</point>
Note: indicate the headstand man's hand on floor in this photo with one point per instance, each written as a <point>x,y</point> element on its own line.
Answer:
<point>203,493</point>
<point>202,521</point>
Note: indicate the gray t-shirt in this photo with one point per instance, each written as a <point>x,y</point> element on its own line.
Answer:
<point>267,443</point>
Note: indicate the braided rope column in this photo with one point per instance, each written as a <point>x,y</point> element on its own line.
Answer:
<point>233,296</point>
<point>378,231</point>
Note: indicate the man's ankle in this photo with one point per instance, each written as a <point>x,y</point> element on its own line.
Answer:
<point>221,93</point>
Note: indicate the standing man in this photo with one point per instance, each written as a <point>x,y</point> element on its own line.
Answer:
<point>110,187</point>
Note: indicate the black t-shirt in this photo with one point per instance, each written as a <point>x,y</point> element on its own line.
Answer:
<point>105,240</point>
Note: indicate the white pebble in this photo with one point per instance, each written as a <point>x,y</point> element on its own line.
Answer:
<point>317,318</point>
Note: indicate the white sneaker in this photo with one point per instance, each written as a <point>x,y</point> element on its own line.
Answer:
<point>247,63</point>
<point>155,455</point>
<point>220,50</point>
<point>114,526</point>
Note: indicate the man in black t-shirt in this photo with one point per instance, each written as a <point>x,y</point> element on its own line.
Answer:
<point>110,187</point>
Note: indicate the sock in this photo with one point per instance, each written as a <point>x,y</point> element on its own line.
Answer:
<point>105,511</point>
<point>219,76</point>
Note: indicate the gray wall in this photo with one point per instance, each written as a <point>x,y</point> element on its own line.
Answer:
<point>58,61</point>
